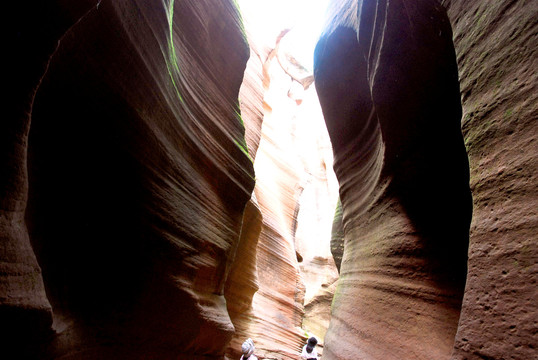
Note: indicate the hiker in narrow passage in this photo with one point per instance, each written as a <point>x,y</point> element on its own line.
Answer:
<point>309,350</point>
<point>248,350</point>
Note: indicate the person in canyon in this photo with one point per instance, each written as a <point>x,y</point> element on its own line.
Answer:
<point>309,350</point>
<point>248,350</point>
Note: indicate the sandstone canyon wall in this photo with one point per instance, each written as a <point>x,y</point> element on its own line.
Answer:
<point>387,77</point>
<point>138,175</point>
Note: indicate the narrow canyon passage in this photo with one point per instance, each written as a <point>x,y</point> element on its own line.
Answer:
<point>296,189</point>
<point>179,176</point>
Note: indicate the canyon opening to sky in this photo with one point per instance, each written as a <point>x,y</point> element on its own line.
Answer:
<point>294,161</point>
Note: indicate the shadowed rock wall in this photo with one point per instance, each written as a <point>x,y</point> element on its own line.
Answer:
<point>242,282</point>
<point>24,308</point>
<point>138,178</point>
<point>387,80</point>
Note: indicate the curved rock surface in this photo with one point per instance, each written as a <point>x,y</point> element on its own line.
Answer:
<point>25,311</point>
<point>387,79</point>
<point>138,177</point>
<point>278,305</point>
<point>242,282</point>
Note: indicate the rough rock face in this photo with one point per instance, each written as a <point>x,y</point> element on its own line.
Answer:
<point>496,48</point>
<point>387,79</point>
<point>137,178</point>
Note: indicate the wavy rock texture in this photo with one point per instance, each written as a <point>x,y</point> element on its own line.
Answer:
<point>318,309</point>
<point>496,48</point>
<point>387,79</point>
<point>138,177</point>
<point>251,97</point>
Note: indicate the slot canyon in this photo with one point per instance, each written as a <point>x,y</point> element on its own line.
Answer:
<point>173,180</point>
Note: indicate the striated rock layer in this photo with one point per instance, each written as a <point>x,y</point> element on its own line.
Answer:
<point>387,80</point>
<point>496,48</point>
<point>138,175</point>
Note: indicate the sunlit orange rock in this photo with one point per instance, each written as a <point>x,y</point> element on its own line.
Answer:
<point>278,304</point>
<point>296,194</point>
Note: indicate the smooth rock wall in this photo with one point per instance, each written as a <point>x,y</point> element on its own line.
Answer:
<point>315,205</point>
<point>251,97</point>
<point>294,190</point>
<point>387,80</point>
<point>138,176</point>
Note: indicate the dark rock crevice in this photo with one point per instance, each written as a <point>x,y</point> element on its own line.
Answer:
<point>31,37</point>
